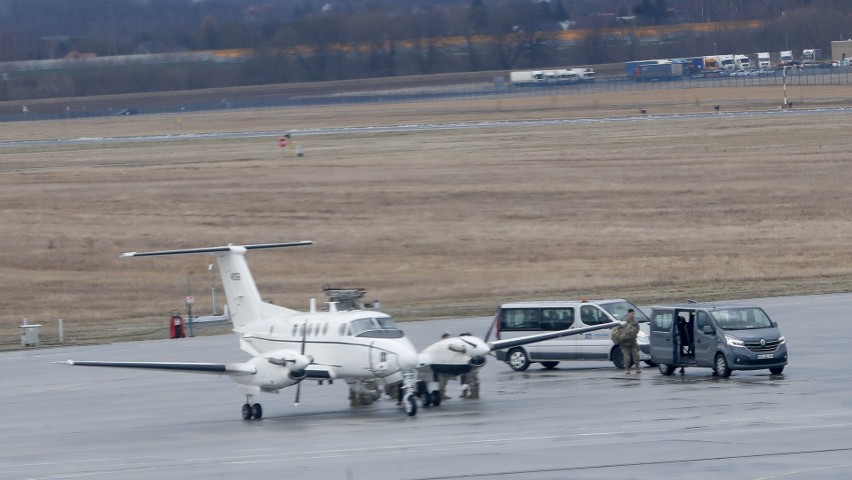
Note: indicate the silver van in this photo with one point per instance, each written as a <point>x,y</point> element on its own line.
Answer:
<point>519,319</point>
<point>723,338</point>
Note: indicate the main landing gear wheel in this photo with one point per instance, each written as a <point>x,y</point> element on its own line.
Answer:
<point>666,369</point>
<point>436,398</point>
<point>250,410</point>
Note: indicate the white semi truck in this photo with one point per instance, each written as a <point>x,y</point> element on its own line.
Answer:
<point>763,61</point>
<point>726,63</point>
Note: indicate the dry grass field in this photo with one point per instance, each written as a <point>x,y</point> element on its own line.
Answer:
<point>433,223</point>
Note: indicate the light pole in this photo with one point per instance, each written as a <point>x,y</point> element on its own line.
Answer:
<point>212,287</point>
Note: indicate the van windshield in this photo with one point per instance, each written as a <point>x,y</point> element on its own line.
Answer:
<point>747,318</point>
<point>619,310</point>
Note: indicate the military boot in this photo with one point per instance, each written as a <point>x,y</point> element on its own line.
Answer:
<point>465,391</point>
<point>474,393</point>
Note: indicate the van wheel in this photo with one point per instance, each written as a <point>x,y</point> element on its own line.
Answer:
<point>721,366</point>
<point>518,360</point>
<point>776,370</point>
<point>618,358</point>
<point>666,369</point>
<point>549,365</point>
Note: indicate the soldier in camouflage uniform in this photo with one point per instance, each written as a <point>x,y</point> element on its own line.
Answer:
<point>470,387</point>
<point>629,347</point>
<point>443,378</point>
<point>470,381</point>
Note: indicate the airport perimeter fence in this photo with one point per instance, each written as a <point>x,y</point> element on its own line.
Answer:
<point>57,333</point>
<point>499,88</point>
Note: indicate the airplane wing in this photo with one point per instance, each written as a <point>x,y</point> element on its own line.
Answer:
<point>514,342</point>
<point>233,369</point>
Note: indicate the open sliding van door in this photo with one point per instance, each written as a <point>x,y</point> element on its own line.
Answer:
<point>663,337</point>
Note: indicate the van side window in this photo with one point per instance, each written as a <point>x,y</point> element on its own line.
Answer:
<point>591,315</point>
<point>519,319</point>
<point>556,318</point>
<point>703,320</point>
<point>661,321</point>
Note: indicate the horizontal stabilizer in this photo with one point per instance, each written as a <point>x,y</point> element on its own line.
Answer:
<point>514,342</point>
<point>210,368</point>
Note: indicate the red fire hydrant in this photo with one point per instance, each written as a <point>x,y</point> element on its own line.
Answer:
<point>176,326</point>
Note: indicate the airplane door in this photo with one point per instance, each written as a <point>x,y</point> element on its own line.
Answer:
<point>662,337</point>
<point>380,361</point>
<point>705,344</point>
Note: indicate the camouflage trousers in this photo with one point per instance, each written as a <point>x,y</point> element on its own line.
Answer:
<point>470,384</point>
<point>630,354</point>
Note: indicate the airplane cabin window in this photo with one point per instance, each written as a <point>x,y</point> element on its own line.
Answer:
<point>342,329</point>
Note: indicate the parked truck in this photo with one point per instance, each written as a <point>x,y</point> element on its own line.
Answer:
<point>633,67</point>
<point>564,76</point>
<point>786,57</point>
<point>584,74</point>
<point>742,62</point>
<point>659,71</point>
<point>726,63</point>
<point>763,61</point>
<point>711,66</point>
<point>811,57</point>
<point>526,78</point>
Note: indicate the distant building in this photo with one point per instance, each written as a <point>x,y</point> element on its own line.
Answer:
<point>841,50</point>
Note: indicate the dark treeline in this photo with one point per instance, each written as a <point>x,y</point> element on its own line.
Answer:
<point>312,40</point>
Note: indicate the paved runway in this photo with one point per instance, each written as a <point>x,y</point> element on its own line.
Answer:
<point>580,421</point>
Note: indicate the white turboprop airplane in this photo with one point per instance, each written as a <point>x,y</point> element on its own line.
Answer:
<point>287,346</point>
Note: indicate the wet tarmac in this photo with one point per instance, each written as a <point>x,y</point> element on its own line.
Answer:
<point>582,420</point>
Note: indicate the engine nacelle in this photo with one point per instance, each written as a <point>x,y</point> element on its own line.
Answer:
<point>276,370</point>
<point>455,355</point>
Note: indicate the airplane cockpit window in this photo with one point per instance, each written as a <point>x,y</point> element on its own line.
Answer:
<point>383,327</point>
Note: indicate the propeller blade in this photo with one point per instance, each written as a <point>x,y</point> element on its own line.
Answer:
<point>299,385</point>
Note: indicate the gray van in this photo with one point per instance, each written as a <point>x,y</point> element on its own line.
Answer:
<point>723,338</point>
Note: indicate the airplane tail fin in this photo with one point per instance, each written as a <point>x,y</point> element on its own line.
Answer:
<point>244,302</point>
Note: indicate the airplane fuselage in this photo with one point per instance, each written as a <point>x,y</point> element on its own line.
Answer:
<point>349,345</point>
